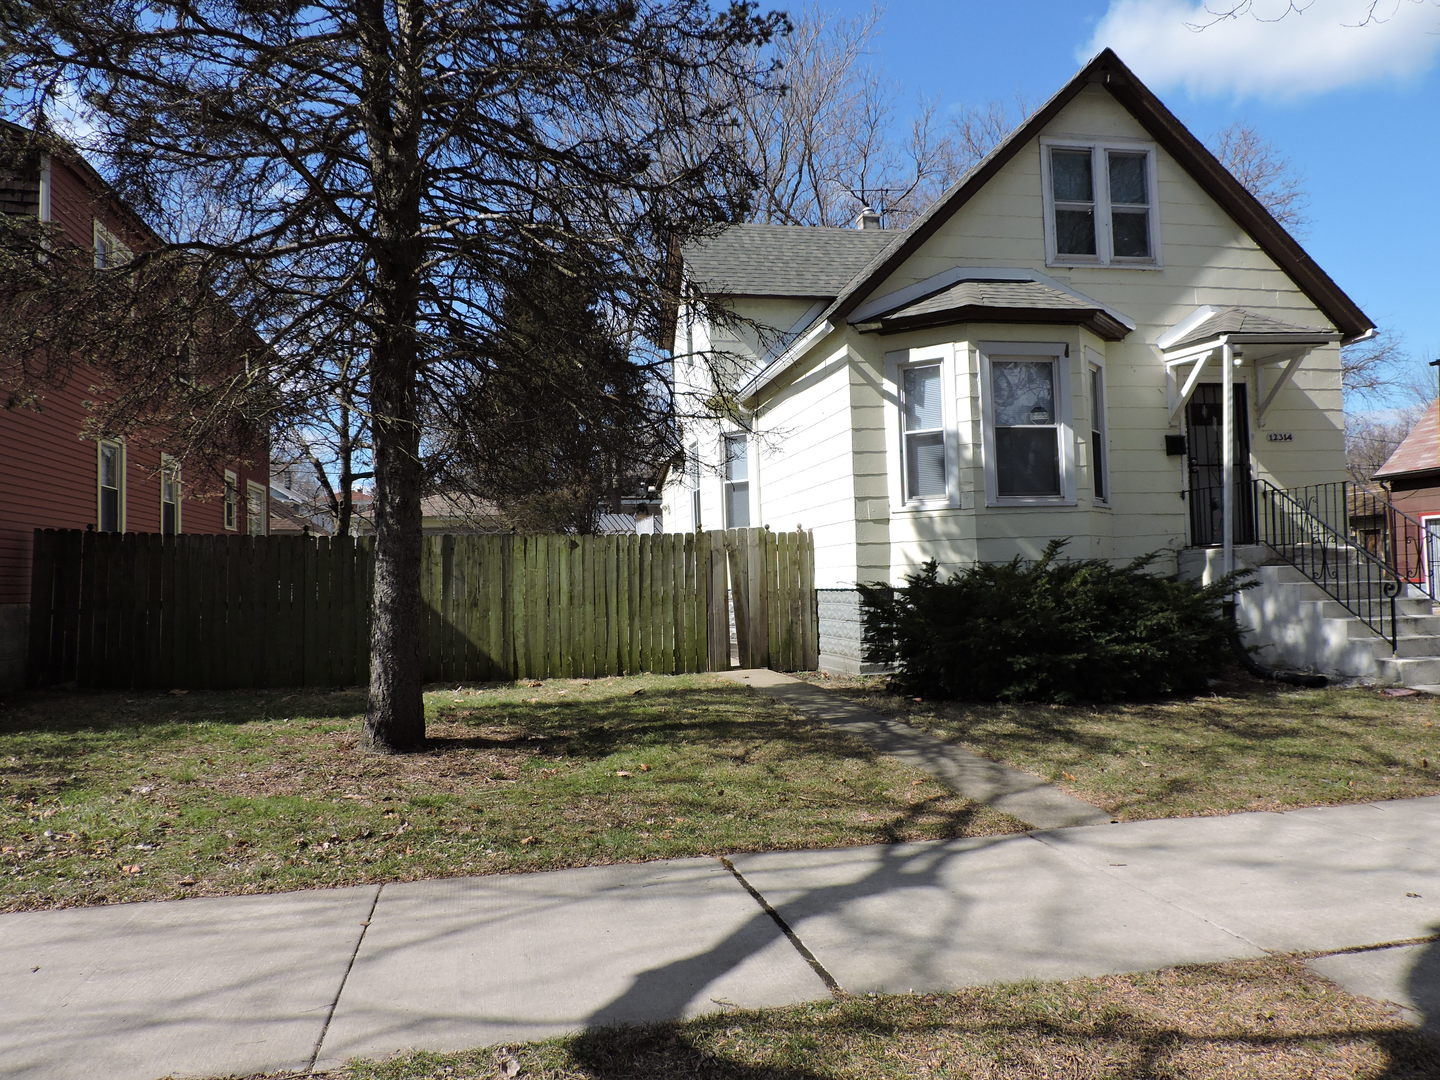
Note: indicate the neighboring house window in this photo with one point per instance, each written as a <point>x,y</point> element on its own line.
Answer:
<point>111,482</point>
<point>1028,454</point>
<point>692,475</point>
<point>108,250</point>
<point>922,418</point>
<point>1099,453</point>
<point>256,512</point>
<point>232,500</point>
<point>169,496</point>
<point>1100,204</point>
<point>737,482</point>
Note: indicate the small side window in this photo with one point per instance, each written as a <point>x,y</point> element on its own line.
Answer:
<point>232,501</point>
<point>922,420</point>
<point>169,496</point>
<point>109,251</point>
<point>737,481</point>
<point>111,484</point>
<point>257,512</point>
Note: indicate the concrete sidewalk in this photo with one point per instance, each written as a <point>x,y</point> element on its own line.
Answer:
<point>290,981</point>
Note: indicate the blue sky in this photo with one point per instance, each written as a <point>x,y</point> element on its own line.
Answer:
<point>1356,108</point>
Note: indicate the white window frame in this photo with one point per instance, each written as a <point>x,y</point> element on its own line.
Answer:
<point>692,482</point>
<point>727,485</point>
<point>119,489</point>
<point>1100,176</point>
<point>256,493</point>
<point>110,250</point>
<point>1059,353</point>
<point>170,473</point>
<point>897,363</point>
<point>230,508</point>
<point>1099,431</point>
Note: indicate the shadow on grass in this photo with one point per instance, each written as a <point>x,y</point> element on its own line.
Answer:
<point>1329,741</point>
<point>602,726</point>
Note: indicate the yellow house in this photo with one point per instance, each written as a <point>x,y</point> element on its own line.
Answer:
<point>1056,349</point>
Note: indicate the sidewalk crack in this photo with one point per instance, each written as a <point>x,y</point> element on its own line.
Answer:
<point>344,978</point>
<point>836,990</point>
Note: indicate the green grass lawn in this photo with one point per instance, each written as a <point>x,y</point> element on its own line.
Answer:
<point>1246,746</point>
<point>108,797</point>
<point>1270,1019</point>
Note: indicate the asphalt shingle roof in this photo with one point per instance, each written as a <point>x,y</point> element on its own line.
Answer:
<point>1419,451</point>
<point>1002,294</point>
<point>783,260</point>
<point>1238,320</point>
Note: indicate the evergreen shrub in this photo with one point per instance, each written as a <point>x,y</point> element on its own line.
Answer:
<point>1050,630</point>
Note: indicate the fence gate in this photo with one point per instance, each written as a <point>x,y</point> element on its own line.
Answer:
<point>217,612</point>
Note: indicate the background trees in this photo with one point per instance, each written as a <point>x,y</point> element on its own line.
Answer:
<point>365,179</point>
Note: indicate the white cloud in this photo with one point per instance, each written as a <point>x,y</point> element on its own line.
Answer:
<point>1271,51</point>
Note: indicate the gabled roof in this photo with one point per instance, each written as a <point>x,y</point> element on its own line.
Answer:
<point>1165,128</point>
<point>1419,451</point>
<point>999,300</point>
<point>782,260</point>
<point>1239,321</point>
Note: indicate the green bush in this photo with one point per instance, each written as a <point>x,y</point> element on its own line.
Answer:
<point>1049,629</point>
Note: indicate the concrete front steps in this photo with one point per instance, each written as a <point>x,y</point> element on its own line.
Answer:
<point>1296,624</point>
<point>1293,624</point>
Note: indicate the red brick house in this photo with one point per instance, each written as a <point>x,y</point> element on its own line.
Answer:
<point>51,475</point>
<point>1412,476</point>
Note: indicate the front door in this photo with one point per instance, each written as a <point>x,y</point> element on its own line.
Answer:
<point>1203,423</point>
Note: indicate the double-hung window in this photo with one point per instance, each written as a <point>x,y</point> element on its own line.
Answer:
<point>1028,444</point>
<point>1100,205</point>
<point>109,251</point>
<point>111,484</point>
<point>169,496</point>
<point>257,514</point>
<point>737,481</point>
<point>1099,458</point>
<point>922,419</point>
<point>232,501</point>
<point>692,479</point>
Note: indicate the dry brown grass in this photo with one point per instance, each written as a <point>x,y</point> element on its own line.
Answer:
<point>1271,1019</point>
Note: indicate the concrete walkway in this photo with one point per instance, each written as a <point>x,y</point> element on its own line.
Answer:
<point>291,981</point>
<point>1019,794</point>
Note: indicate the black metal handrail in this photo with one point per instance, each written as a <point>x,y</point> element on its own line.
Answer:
<point>1374,523</point>
<point>1362,583</point>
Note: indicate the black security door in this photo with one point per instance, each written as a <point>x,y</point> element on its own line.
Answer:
<point>1203,422</point>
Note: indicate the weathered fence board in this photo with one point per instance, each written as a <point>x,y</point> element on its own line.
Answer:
<point>214,612</point>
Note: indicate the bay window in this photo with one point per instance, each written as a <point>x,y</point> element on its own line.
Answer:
<point>922,418</point>
<point>1027,424</point>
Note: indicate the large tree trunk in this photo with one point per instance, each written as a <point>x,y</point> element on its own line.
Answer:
<point>395,713</point>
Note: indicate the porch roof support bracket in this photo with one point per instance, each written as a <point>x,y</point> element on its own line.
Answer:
<point>1179,395</point>
<point>1291,366</point>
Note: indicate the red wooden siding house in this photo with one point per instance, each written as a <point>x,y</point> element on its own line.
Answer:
<point>51,474</point>
<point>1412,476</point>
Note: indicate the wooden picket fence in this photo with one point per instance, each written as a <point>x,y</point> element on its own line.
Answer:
<point>216,612</point>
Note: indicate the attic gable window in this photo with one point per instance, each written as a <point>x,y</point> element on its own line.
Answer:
<point>1100,206</point>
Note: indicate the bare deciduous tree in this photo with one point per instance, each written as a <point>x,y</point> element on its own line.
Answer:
<point>364,177</point>
<point>1265,173</point>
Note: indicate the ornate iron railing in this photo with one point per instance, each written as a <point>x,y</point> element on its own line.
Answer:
<point>1364,584</point>
<point>1372,522</point>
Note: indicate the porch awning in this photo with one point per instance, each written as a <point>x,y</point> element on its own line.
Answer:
<point>1262,341</point>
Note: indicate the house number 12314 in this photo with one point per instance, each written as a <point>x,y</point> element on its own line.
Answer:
<point>1279,436</point>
